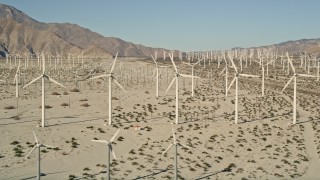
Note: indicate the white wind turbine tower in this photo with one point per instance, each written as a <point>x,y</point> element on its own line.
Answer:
<point>16,81</point>
<point>294,78</point>
<point>37,145</point>
<point>175,144</point>
<point>226,76</point>
<point>164,54</point>
<point>111,78</point>
<point>235,79</point>
<point>43,76</point>
<point>176,78</point>
<point>110,150</point>
<point>192,74</point>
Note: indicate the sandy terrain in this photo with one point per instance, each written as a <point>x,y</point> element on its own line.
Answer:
<point>262,146</point>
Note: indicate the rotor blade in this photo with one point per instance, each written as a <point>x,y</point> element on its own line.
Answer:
<point>223,71</point>
<point>188,76</point>
<point>307,75</point>
<point>114,136</point>
<point>174,136</point>
<point>48,146</point>
<point>197,62</point>
<point>118,84</point>
<point>256,61</point>
<point>270,62</point>
<point>114,155</point>
<point>56,82</point>
<point>186,63</point>
<point>174,65</point>
<point>18,67</point>
<point>101,141</point>
<point>36,79</point>
<point>188,147</point>
<point>290,62</point>
<point>167,149</point>
<point>14,79</point>
<point>248,75</point>
<point>231,83</point>
<point>154,71</point>
<point>171,84</point>
<point>287,84</point>
<point>34,147</point>
<point>100,76</point>
<point>114,63</point>
<point>35,137</point>
<point>233,65</point>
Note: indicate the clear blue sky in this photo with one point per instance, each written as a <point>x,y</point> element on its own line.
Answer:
<point>185,24</point>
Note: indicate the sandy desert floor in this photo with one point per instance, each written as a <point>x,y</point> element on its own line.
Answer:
<point>262,146</point>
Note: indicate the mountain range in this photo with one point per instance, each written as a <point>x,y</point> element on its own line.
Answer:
<point>21,33</point>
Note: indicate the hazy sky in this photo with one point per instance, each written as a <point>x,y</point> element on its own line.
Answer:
<point>185,24</point>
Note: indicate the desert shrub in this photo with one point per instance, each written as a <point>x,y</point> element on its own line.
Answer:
<point>9,107</point>
<point>55,93</point>
<point>74,90</point>
<point>85,105</point>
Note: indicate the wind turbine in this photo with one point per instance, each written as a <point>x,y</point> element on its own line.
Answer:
<point>192,74</point>
<point>294,78</point>
<point>43,76</point>
<point>110,150</point>
<point>111,78</point>
<point>37,145</point>
<point>176,78</point>
<point>235,79</point>
<point>175,144</point>
<point>226,76</point>
<point>157,73</point>
<point>16,81</point>
<point>262,72</point>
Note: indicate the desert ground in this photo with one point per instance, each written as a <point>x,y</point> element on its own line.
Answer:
<point>263,145</point>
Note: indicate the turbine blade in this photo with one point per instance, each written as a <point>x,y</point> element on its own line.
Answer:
<point>174,65</point>
<point>174,136</point>
<point>233,65</point>
<point>112,151</point>
<point>287,84</point>
<point>154,71</point>
<point>222,71</point>
<point>35,137</point>
<point>100,141</point>
<point>290,62</point>
<point>56,82</point>
<point>48,146</point>
<point>118,84</point>
<point>14,79</point>
<point>256,61</point>
<point>171,84</point>
<point>114,63</point>
<point>100,76</point>
<point>248,75</point>
<point>188,147</point>
<point>231,83</point>
<point>188,76</point>
<point>34,147</point>
<point>114,136</point>
<point>307,75</point>
<point>167,149</point>
<point>36,79</point>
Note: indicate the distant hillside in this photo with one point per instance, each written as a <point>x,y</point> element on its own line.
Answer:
<point>21,33</point>
<point>303,45</point>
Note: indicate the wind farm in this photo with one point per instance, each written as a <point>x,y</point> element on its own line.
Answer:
<point>158,113</point>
